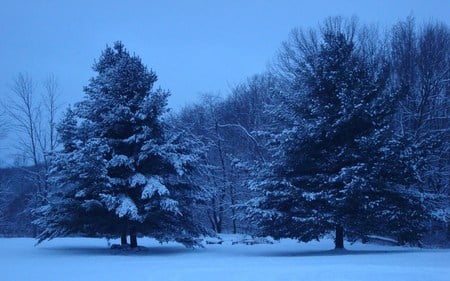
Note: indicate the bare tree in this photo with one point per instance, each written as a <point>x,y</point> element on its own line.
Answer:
<point>25,112</point>
<point>3,131</point>
<point>228,128</point>
<point>33,117</point>
<point>3,124</point>
<point>50,98</point>
<point>421,64</point>
<point>421,60</point>
<point>218,172</point>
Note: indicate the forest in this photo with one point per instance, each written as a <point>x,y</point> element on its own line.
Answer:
<point>346,133</point>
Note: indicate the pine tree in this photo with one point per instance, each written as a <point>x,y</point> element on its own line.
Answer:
<point>337,167</point>
<point>122,171</point>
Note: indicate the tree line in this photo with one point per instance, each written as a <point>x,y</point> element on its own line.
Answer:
<point>346,133</point>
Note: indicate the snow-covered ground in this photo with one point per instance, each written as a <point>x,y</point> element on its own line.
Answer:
<point>91,259</point>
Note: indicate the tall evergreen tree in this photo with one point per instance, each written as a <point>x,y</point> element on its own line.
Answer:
<point>121,170</point>
<point>337,167</point>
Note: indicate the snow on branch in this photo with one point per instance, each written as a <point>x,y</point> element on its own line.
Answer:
<point>154,185</point>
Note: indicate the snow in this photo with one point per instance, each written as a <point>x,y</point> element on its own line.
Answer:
<point>138,179</point>
<point>120,161</point>
<point>91,259</point>
<point>122,204</point>
<point>153,186</point>
<point>127,207</point>
<point>170,205</point>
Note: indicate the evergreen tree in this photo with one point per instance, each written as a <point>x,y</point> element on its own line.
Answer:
<point>337,166</point>
<point>122,171</point>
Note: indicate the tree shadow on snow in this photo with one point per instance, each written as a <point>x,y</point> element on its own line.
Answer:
<point>163,250</point>
<point>345,252</point>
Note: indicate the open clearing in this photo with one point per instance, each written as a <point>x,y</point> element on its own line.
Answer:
<point>92,259</point>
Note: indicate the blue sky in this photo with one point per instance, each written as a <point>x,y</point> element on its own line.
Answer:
<point>193,46</point>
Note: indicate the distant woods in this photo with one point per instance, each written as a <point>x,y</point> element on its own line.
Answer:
<point>346,133</point>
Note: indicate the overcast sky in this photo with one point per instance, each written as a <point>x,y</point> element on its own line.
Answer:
<point>193,46</point>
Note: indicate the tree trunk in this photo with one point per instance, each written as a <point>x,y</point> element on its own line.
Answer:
<point>133,237</point>
<point>234,225</point>
<point>448,231</point>
<point>123,238</point>
<point>218,220</point>
<point>339,239</point>
<point>233,210</point>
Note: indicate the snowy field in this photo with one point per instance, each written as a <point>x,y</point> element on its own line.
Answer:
<point>91,259</point>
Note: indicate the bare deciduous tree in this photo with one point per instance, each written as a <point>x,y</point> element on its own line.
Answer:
<point>24,110</point>
<point>421,64</point>
<point>51,105</point>
<point>33,119</point>
<point>3,126</point>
